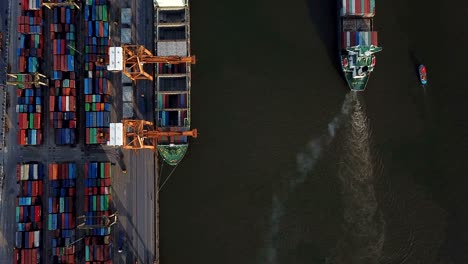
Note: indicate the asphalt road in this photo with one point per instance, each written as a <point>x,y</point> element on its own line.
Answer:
<point>133,192</point>
<point>9,150</point>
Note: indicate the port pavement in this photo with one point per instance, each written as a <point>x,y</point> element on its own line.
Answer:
<point>8,150</point>
<point>134,193</point>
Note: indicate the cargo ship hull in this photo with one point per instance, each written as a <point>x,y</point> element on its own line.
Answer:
<point>357,41</point>
<point>173,81</point>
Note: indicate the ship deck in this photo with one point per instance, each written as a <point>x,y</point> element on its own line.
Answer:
<point>172,81</point>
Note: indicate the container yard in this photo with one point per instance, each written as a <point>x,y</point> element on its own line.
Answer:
<point>29,224</point>
<point>61,220</point>
<point>98,242</point>
<point>97,88</point>
<point>77,195</point>
<point>62,89</point>
<point>30,55</point>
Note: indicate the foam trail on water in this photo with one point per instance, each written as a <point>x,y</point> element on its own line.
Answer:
<point>363,227</point>
<point>272,243</point>
<point>305,163</point>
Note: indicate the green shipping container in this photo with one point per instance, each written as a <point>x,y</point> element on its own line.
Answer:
<point>87,253</point>
<point>104,13</point>
<point>92,136</point>
<point>49,222</point>
<point>62,204</point>
<point>94,203</point>
<point>101,169</point>
<point>31,121</point>
<point>17,214</point>
<point>87,107</point>
<point>104,202</point>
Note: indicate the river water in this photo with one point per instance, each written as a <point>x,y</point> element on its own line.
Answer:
<point>291,167</point>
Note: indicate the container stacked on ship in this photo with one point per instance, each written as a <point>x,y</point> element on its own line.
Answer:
<point>96,85</point>
<point>98,246</point>
<point>29,213</point>
<point>62,96</point>
<point>173,85</point>
<point>62,212</point>
<point>30,53</point>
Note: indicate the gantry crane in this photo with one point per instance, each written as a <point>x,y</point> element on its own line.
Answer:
<point>107,221</point>
<point>141,134</point>
<point>36,79</point>
<point>69,3</point>
<point>136,56</point>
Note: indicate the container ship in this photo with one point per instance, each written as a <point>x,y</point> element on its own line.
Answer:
<point>172,93</point>
<point>358,41</point>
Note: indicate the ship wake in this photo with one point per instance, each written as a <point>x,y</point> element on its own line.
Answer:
<point>363,224</point>
<point>305,163</point>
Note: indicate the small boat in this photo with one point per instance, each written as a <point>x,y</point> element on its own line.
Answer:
<point>422,74</point>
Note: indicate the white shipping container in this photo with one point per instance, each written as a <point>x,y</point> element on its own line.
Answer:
<point>35,171</point>
<point>171,3</point>
<point>33,4</point>
<point>67,103</point>
<point>25,172</point>
<point>37,238</point>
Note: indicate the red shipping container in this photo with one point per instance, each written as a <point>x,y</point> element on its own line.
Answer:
<point>62,43</point>
<point>62,15</point>
<point>37,213</point>
<point>51,103</point>
<point>22,137</point>
<point>22,64</point>
<point>66,91</point>
<point>37,121</point>
<point>55,64</point>
<point>107,167</point>
<point>63,63</point>
<point>86,204</point>
<point>39,137</point>
<point>72,103</point>
<point>21,117</point>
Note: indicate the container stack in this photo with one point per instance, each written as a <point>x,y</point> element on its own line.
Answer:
<point>29,213</point>
<point>62,213</point>
<point>29,25</point>
<point>30,53</point>
<point>97,196</point>
<point>62,98</point>
<point>96,85</point>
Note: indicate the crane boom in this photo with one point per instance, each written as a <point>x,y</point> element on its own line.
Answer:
<point>136,56</point>
<point>33,79</point>
<point>69,3</point>
<point>141,134</point>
